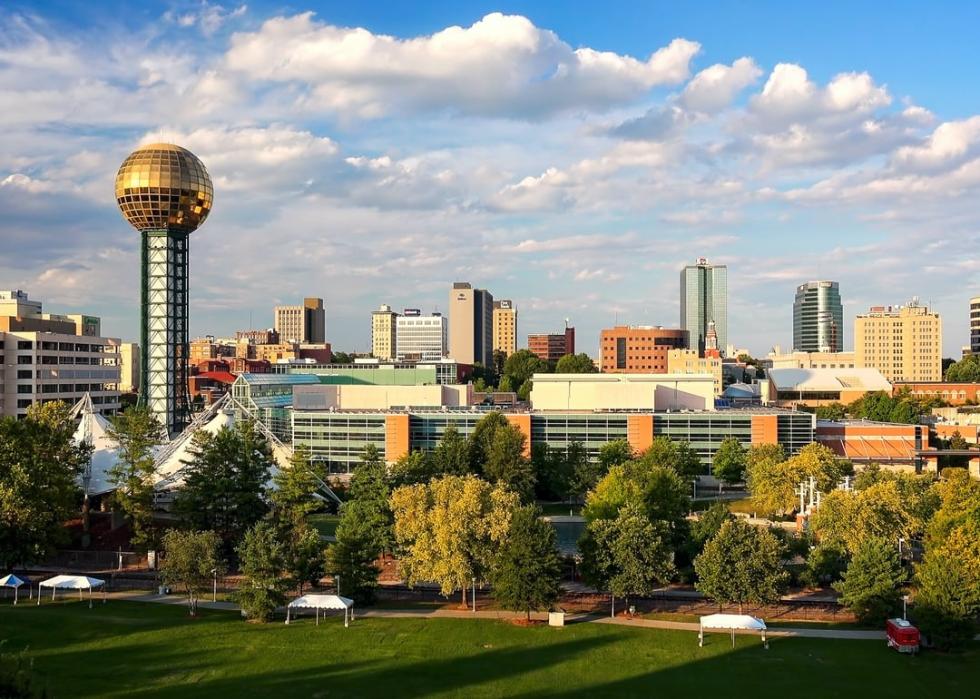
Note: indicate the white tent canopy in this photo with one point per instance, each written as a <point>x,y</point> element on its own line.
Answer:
<point>732,622</point>
<point>91,430</point>
<point>322,602</point>
<point>72,582</point>
<point>12,581</point>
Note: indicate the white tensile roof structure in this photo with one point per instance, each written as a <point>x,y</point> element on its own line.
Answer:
<point>92,430</point>
<point>852,379</point>
<point>324,602</point>
<point>170,459</point>
<point>732,622</point>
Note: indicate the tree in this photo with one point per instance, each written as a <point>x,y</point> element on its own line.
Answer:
<point>451,456</point>
<point>135,433</point>
<point>39,464</point>
<point>263,560</point>
<point>847,519</point>
<point>448,529</point>
<point>729,462</point>
<point>741,564</point>
<point>629,555</point>
<point>526,574</point>
<point>481,438</point>
<point>679,456</point>
<point>657,491</point>
<point>224,486</point>
<point>524,392</point>
<point>351,563</point>
<point>412,467</point>
<point>505,462</point>
<point>580,363</point>
<point>947,598</point>
<point>553,472</point>
<point>959,504</point>
<point>708,524</point>
<point>831,411</point>
<point>368,501</point>
<point>305,557</point>
<point>499,359</point>
<point>774,485</point>
<point>825,564</point>
<point>293,495</point>
<point>967,370</point>
<point>615,453</point>
<point>190,562</point>
<point>870,587</point>
<point>522,365</point>
<point>342,358</point>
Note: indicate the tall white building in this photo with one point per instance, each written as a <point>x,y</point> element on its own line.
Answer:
<point>419,337</point>
<point>704,298</point>
<point>305,324</point>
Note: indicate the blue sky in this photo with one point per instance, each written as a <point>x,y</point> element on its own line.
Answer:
<point>568,157</point>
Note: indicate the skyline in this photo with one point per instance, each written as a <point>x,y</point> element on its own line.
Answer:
<point>363,158</point>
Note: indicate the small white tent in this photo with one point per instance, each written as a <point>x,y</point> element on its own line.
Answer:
<point>325,602</point>
<point>72,582</point>
<point>732,622</point>
<point>12,581</point>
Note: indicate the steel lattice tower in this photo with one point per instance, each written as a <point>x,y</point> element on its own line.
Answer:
<point>165,192</point>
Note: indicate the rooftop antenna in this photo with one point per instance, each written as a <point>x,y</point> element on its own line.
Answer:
<point>566,323</point>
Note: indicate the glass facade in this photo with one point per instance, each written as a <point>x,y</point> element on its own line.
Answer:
<point>818,318</point>
<point>339,439</point>
<point>704,298</point>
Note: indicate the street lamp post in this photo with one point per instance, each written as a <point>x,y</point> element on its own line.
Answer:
<point>474,594</point>
<point>214,590</point>
<point>905,607</point>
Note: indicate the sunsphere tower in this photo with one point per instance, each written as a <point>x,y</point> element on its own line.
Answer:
<point>165,193</point>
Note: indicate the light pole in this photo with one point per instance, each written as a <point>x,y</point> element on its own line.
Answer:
<point>214,590</point>
<point>901,540</point>
<point>474,594</point>
<point>694,482</point>
<point>905,607</point>
<point>337,578</point>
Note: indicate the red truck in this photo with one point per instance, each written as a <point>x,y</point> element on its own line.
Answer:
<point>902,636</point>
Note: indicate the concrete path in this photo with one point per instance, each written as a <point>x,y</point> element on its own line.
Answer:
<point>498,614</point>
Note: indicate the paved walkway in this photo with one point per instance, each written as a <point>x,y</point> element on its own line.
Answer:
<point>572,618</point>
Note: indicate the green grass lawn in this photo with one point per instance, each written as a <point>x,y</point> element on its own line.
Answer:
<point>325,524</point>
<point>145,650</point>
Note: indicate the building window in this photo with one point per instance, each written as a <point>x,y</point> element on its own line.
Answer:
<point>25,374</point>
<point>25,345</point>
<point>25,388</point>
<point>25,359</point>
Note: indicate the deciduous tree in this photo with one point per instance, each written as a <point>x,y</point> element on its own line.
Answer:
<point>448,529</point>
<point>39,462</point>
<point>580,363</point>
<point>947,598</point>
<point>741,564</point>
<point>191,561</point>
<point>729,461</point>
<point>526,574</point>
<point>629,556</point>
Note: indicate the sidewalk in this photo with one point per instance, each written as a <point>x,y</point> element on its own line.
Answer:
<point>498,614</point>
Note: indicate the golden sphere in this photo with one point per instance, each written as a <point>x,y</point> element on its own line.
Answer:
<point>163,186</point>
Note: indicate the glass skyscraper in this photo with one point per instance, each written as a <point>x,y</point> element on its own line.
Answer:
<point>818,318</point>
<point>704,298</point>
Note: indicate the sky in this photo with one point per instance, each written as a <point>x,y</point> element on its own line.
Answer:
<point>571,157</point>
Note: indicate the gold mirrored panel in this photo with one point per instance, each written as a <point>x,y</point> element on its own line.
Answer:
<point>164,186</point>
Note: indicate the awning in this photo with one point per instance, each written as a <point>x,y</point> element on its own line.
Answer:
<point>72,582</point>
<point>322,602</point>
<point>14,582</point>
<point>732,622</point>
